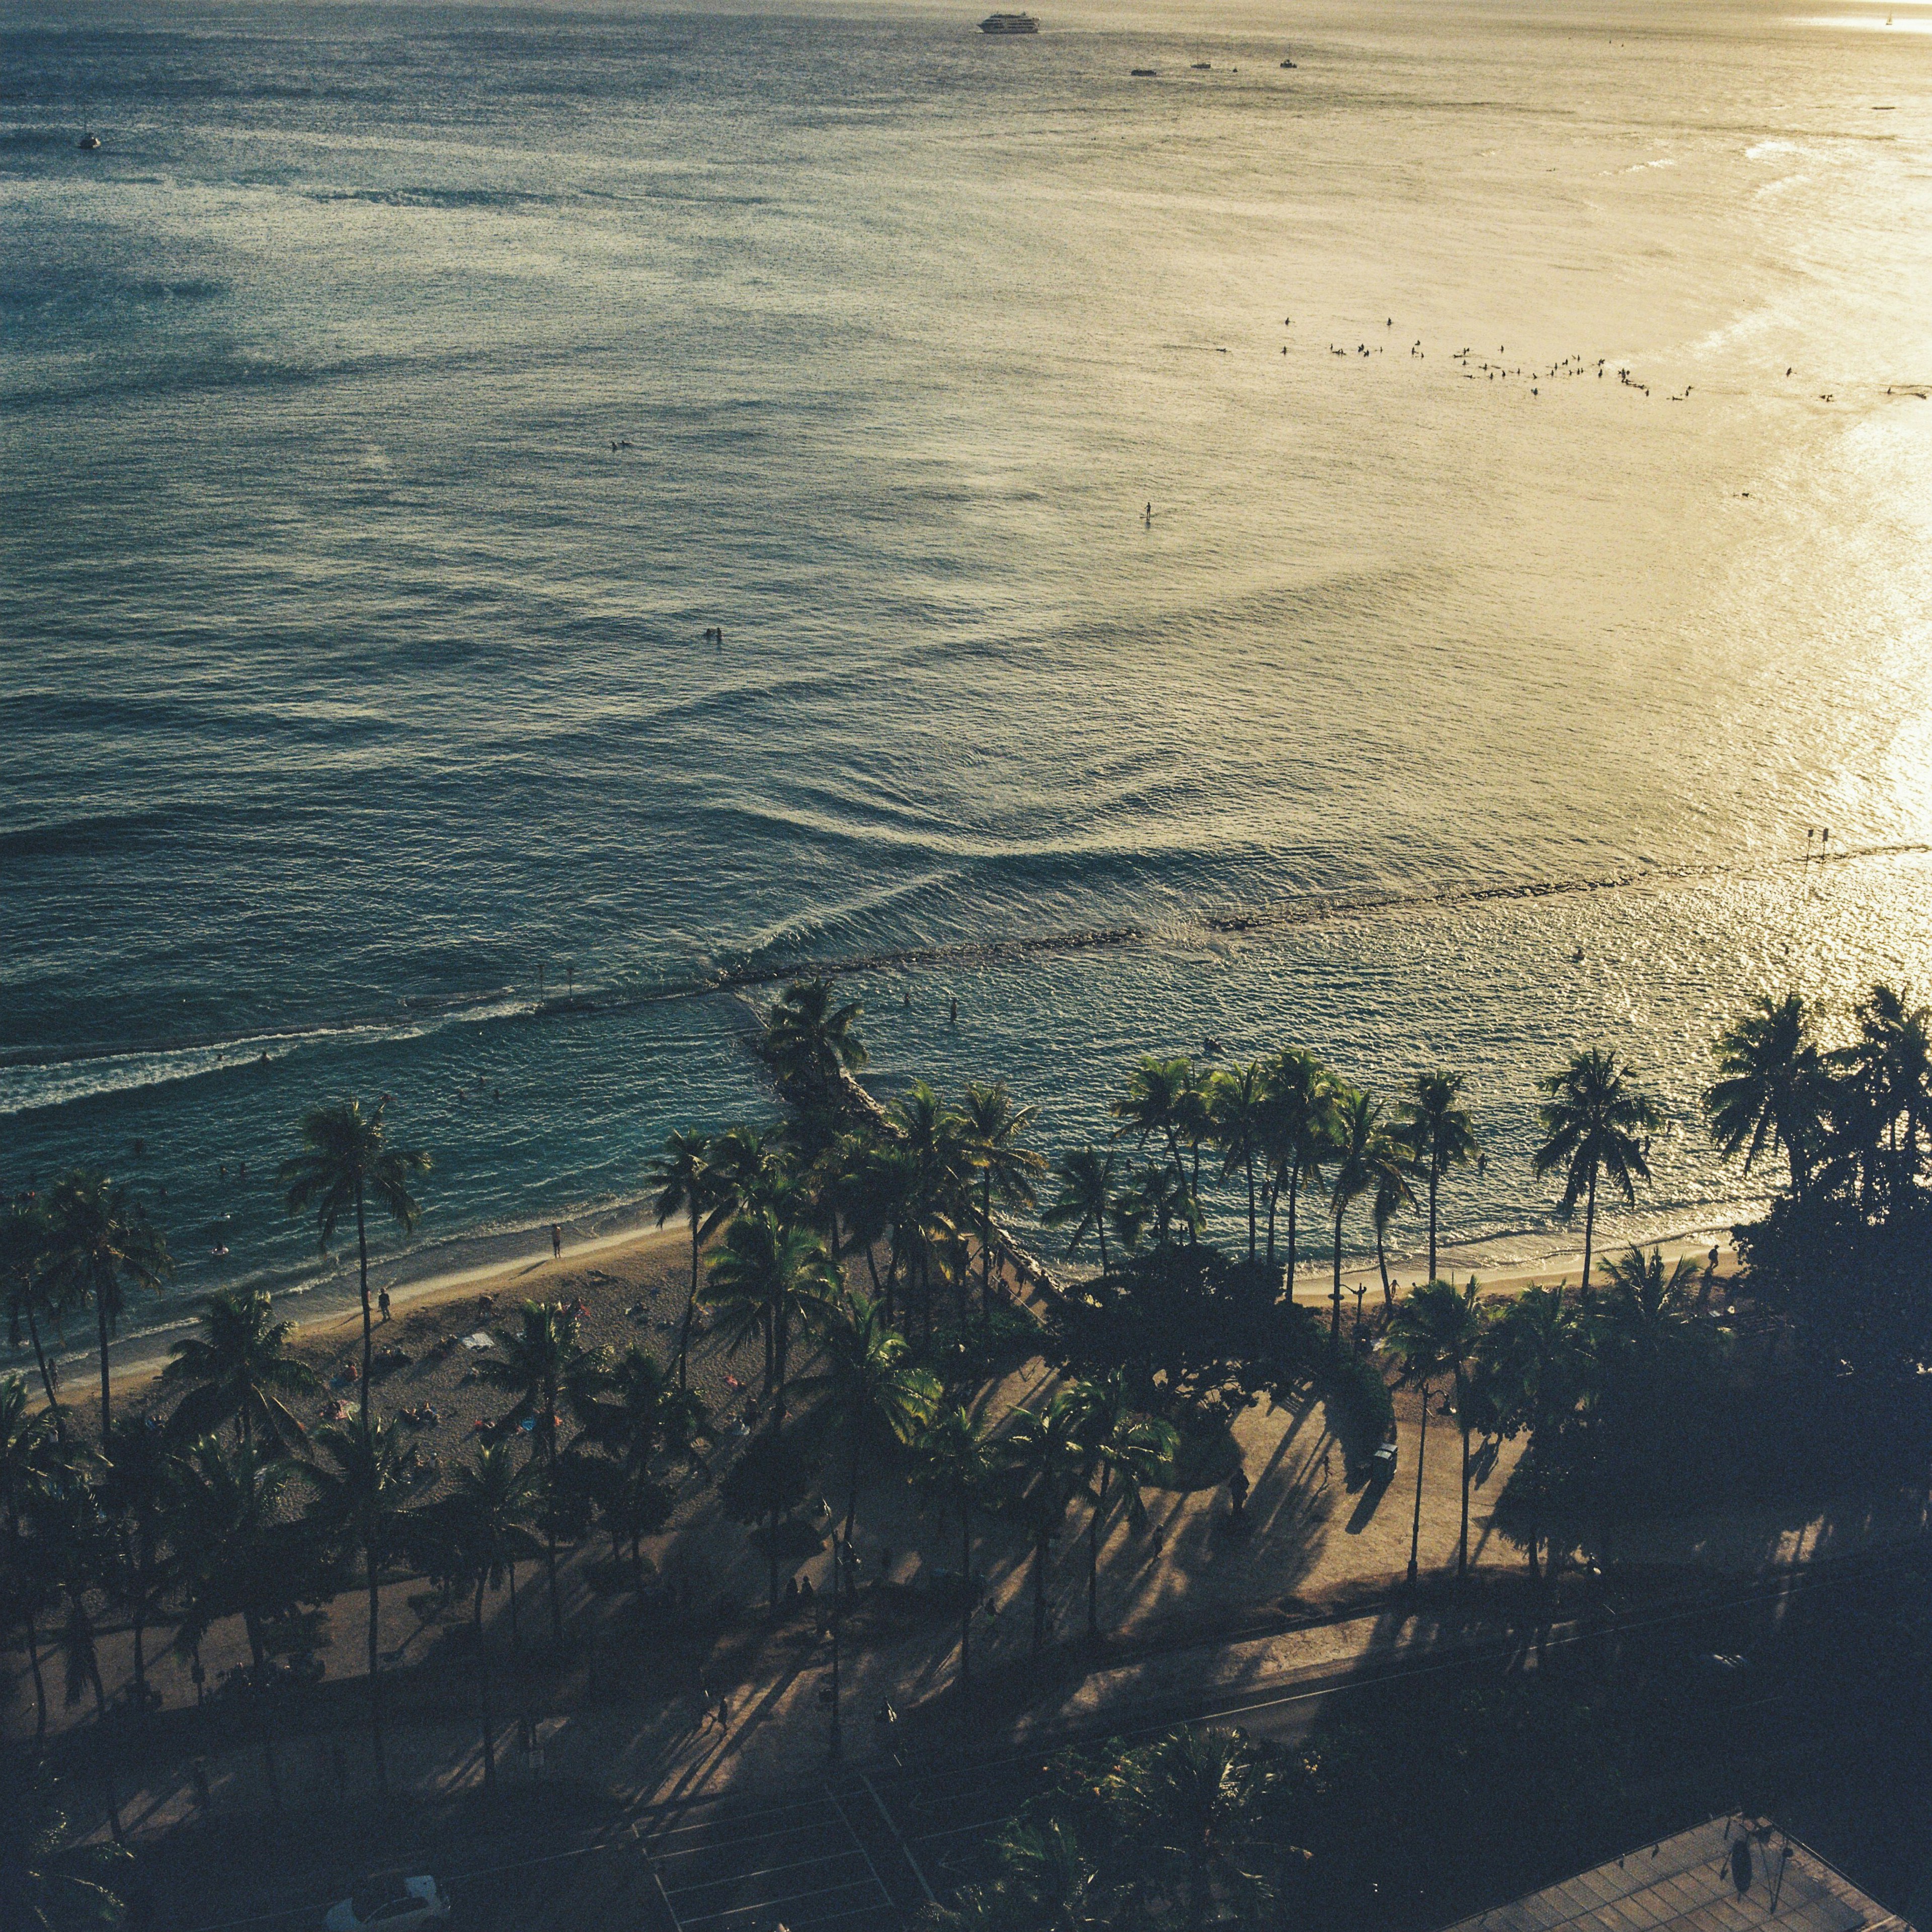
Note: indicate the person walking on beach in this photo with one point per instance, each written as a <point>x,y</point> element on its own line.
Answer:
<point>383,1302</point>
<point>556,1240</point>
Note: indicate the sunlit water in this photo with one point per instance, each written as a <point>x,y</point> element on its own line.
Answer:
<point>351,679</point>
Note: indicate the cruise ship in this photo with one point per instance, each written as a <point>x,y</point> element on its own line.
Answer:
<point>1009,23</point>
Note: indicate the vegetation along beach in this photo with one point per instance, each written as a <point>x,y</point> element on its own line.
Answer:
<point>962,972</point>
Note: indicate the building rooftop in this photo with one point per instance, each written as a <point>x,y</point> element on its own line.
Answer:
<point>1732,1875</point>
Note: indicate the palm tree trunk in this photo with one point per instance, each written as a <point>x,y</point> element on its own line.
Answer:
<point>1381,1262</point>
<point>375,1659</point>
<point>368,1329</point>
<point>852,1485</point>
<point>101,1727</point>
<point>966,1607</point>
<point>690,1303</point>
<point>483,1690</point>
<point>100,1318</point>
<point>1294,1203</point>
<point>1039,1593</point>
<point>1589,1229</point>
<point>1273,1192</point>
<point>39,1683</point>
<point>1434,1180</point>
<point>550,1527</point>
<point>46,1376</point>
<point>1415,1528</point>
<point>1335,1308</point>
<point>1462,1548</point>
<point>1251,1206</point>
<point>985,1259</point>
<point>516,1635</point>
<point>1094,1555</point>
<point>1100,1229</point>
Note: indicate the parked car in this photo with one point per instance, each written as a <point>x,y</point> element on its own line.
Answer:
<point>1382,1464</point>
<point>419,1904</point>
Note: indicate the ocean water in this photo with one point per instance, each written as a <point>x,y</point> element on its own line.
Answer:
<point>354,703</point>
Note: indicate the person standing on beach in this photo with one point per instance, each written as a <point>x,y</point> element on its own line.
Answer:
<point>556,1240</point>
<point>383,1302</point>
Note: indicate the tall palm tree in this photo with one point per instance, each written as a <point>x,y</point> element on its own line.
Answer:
<point>100,1243</point>
<point>956,1469</point>
<point>1649,1310</point>
<point>809,1040</point>
<point>765,1281</point>
<point>1297,1132</point>
<point>876,1389</point>
<point>1361,1155</point>
<point>346,1163</point>
<point>1127,1448</point>
<point>483,1528</point>
<point>1436,1124</point>
<point>1161,1103</point>
<point>1395,1168</point>
<point>29,1446</point>
<point>543,1365</point>
<point>29,1285</point>
<point>1087,1177</point>
<point>238,1369</point>
<point>1195,1808</point>
<point>1238,1108</point>
<point>1537,1358</point>
<point>1003,1168</point>
<point>1594,1124</point>
<point>1043,1460</point>
<point>685,1185</point>
<point>1768,1090</point>
<point>1889,1069</point>
<point>363,1496</point>
<point>938,1205</point>
<point>54,1880</point>
<point>645,1416</point>
<point>1436,1332</point>
<point>136,1489</point>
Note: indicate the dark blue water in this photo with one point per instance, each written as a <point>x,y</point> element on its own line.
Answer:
<point>356,701</point>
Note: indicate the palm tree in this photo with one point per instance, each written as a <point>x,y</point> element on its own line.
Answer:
<point>1436,1332</point>
<point>1047,1883</point>
<point>808,1040</point>
<point>54,1881</point>
<point>27,1282</point>
<point>995,1128</point>
<point>484,1529</point>
<point>238,1369</point>
<point>956,1469</point>
<point>1086,1197</point>
<point>1889,1072</point>
<point>685,1185</point>
<point>1043,1460</point>
<point>1297,1130</point>
<point>346,1162</point>
<point>1238,1106</point>
<point>1768,1090</point>
<point>1594,1123</point>
<point>766,1280</point>
<point>543,1364</point>
<point>648,1416</point>
<point>1161,1103</point>
<point>98,1243</point>
<point>1537,1359</point>
<point>938,1202</point>
<point>875,1388</point>
<point>28,1448</point>
<point>1395,1167</point>
<point>1649,1310</point>
<point>1435,1124</point>
<point>1126,1445</point>
<point>1362,1156</point>
<point>137,1487</point>
<point>362,1503</point>
<point>1195,1807</point>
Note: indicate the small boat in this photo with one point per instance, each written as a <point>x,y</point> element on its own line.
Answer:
<point>1143,72</point>
<point>89,141</point>
<point>1009,23</point>
<point>1287,63</point>
<point>1204,66</point>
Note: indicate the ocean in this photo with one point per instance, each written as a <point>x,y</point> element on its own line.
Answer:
<point>1400,553</point>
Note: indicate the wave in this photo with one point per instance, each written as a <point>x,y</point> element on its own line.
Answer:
<point>34,1077</point>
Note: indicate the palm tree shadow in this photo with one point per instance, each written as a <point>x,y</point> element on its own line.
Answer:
<point>1369,1500</point>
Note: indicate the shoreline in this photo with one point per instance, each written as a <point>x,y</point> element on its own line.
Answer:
<point>137,1359</point>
